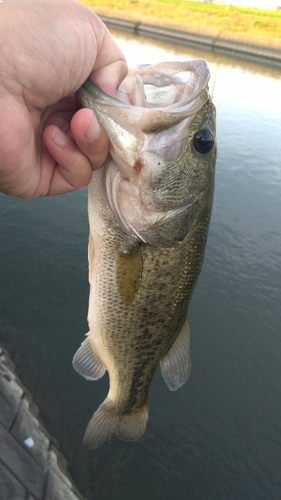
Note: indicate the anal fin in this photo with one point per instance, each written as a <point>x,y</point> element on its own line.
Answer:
<point>176,364</point>
<point>87,363</point>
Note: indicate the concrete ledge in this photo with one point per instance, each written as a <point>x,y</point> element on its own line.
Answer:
<point>31,466</point>
<point>216,43</point>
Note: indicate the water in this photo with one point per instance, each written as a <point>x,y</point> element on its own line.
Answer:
<point>218,437</point>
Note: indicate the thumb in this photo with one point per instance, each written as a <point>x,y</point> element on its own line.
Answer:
<point>110,66</point>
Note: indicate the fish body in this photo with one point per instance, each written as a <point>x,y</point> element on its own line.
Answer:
<point>149,212</point>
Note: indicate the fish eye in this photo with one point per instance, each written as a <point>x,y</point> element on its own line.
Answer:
<point>204,141</point>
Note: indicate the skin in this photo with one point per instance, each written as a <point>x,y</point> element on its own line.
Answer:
<point>48,49</point>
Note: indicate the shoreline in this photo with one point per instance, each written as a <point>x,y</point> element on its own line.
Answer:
<point>242,46</point>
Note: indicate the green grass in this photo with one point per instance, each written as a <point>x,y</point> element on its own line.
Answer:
<point>221,17</point>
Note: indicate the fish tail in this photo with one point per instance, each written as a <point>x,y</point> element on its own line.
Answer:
<point>106,421</point>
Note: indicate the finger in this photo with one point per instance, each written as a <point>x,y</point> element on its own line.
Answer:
<point>110,67</point>
<point>90,137</point>
<point>71,169</point>
<point>108,78</point>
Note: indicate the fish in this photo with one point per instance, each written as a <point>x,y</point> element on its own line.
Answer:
<point>149,210</point>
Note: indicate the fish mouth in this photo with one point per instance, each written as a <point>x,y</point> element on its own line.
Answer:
<point>176,90</point>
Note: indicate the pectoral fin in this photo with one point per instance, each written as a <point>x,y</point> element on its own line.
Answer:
<point>87,363</point>
<point>176,364</point>
<point>129,275</point>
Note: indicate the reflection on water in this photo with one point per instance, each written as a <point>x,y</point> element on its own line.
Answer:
<point>218,437</point>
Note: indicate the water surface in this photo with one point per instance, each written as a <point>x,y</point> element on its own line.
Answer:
<point>218,437</point>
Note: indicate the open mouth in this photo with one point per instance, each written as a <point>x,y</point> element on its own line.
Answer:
<point>157,96</point>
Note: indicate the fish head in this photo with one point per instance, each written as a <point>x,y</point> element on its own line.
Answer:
<point>158,178</point>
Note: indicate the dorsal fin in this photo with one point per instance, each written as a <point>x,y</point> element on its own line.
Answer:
<point>91,258</point>
<point>87,363</point>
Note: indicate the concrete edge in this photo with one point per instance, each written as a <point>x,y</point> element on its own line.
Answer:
<point>217,44</point>
<point>55,474</point>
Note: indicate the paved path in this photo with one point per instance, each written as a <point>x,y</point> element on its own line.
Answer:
<point>31,467</point>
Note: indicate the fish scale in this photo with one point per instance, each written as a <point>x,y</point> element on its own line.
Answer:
<point>146,244</point>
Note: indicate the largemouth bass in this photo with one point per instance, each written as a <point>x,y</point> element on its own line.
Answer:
<point>149,213</point>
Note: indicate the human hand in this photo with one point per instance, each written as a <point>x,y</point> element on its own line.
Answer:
<point>48,49</point>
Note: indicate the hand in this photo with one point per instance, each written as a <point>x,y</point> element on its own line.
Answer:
<point>48,49</point>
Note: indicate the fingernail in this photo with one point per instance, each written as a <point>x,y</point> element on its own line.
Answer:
<point>59,137</point>
<point>93,130</point>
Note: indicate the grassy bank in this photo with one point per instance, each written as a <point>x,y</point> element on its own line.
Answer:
<point>184,14</point>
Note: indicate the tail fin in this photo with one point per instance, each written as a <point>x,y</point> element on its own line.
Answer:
<point>105,422</point>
